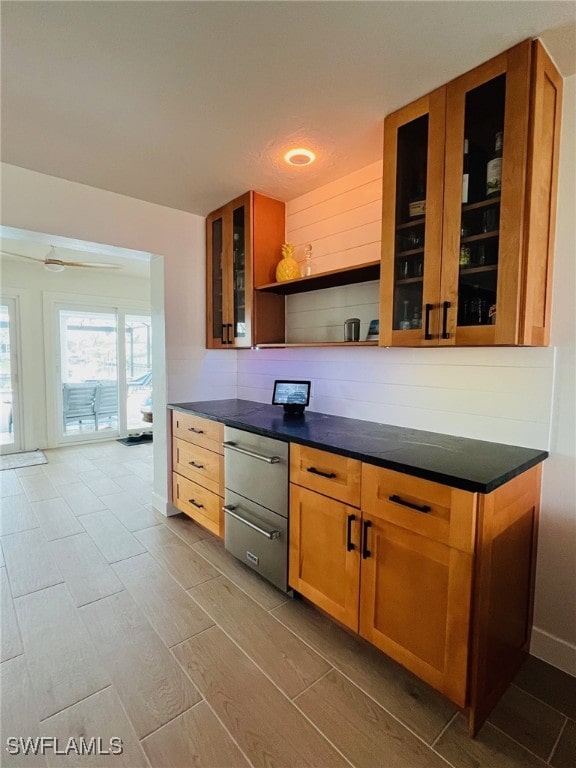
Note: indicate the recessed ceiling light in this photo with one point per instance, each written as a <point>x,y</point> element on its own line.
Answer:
<point>299,157</point>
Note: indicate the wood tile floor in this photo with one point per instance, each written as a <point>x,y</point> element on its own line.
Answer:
<point>118,622</point>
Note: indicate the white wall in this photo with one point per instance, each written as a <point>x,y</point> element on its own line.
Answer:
<point>554,637</point>
<point>39,203</point>
<point>515,396</point>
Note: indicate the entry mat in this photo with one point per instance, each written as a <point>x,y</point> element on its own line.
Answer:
<point>27,459</point>
<point>145,437</point>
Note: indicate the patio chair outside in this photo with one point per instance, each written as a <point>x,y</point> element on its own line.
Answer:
<point>78,403</point>
<point>106,401</point>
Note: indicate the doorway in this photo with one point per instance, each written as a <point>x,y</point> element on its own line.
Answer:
<point>104,372</point>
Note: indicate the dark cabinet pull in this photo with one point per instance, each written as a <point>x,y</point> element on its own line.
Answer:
<point>314,471</point>
<point>445,307</point>
<point>365,551</point>
<point>427,309</point>
<point>196,431</point>
<point>229,333</point>
<point>222,339</point>
<point>193,501</point>
<point>349,545</point>
<point>198,466</point>
<point>419,508</point>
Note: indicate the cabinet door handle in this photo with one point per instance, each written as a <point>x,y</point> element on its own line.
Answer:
<point>314,471</point>
<point>445,307</point>
<point>222,339</point>
<point>196,431</point>
<point>349,545</point>
<point>229,334</point>
<point>418,507</point>
<point>427,309</point>
<point>193,501</point>
<point>198,466</point>
<point>230,510</point>
<point>365,551</point>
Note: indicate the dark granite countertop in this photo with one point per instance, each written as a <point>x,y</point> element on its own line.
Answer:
<point>460,462</point>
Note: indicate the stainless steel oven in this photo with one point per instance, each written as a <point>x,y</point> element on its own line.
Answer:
<point>256,471</point>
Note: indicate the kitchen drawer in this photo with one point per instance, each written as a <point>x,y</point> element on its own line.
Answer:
<point>434,510</point>
<point>194,429</point>
<point>327,473</point>
<point>197,464</point>
<point>198,503</point>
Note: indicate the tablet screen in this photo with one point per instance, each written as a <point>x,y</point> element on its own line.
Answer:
<point>291,393</point>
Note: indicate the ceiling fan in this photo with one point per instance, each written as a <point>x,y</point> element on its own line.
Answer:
<point>53,264</point>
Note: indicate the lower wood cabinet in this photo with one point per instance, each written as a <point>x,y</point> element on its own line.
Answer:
<point>415,604</point>
<point>324,561</point>
<point>440,579</point>
<point>198,470</point>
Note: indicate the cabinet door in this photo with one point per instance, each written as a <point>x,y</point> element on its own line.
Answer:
<point>412,222</point>
<point>216,286</point>
<point>324,563</point>
<point>483,234</point>
<point>415,603</point>
<point>229,275</point>
<point>239,273</point>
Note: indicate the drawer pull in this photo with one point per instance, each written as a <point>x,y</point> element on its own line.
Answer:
<point>230,510</point>
<point>314,471</point>
<point>196,431</point>
<point>349,545</point>
<point>268,459</point>
<point>365,551</point>
<point>198,466</point>
<point>193,501</point>
<point>419,508</point>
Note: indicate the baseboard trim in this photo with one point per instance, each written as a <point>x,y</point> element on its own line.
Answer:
<point>162,505</point>
<point>554,650</point>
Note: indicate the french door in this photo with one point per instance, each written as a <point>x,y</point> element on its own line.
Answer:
<point>10,412</point>
<point>104,373</point>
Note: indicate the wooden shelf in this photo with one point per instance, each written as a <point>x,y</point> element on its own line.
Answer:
<point>359,273</point>
<point>483,236</point>
<point>320,344</point>
<point>408,224</point>
<point>407,280</point>
<point>482,204</point>
<point>411,252</point>
<point>478,270</point>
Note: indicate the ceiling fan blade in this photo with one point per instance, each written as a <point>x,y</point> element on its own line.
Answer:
<point>91,265</point>
<point>21,256</point>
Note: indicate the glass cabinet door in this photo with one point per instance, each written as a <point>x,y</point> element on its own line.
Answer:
<point>238,275</point>
<point>216,294</point>
<point>413,171</point>
<point>483,211</point>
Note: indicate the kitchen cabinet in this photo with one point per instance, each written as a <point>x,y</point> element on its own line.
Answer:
<point>439,578</point>
<point>243,247</point>
<point>198,469</point>
<point>469,199</point>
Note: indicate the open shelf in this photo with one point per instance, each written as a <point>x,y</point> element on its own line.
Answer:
<point>413,223</point>
<point>320,344</point>
<point>482,236</point>
<point>482,204</point>
<point>359,273</point>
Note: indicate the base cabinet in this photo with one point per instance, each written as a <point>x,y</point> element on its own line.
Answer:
<point>324,564</point>
<point>440,579</point>
<point>198,470</point>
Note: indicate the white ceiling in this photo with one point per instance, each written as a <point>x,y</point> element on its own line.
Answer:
<point>189,104</point>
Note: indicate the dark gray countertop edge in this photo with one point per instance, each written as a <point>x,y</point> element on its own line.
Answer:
<point>453,481</point>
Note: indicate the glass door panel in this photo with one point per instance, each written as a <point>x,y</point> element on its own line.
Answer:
<point>138,350</point>
<point>409,265</point>
<point>89,372</point>
<point>239,272</point>
<point>217,287</point>
<point>479,248</point>
<point>9,401</point>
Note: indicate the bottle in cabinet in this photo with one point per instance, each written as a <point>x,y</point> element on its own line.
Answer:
<point>494,169</point>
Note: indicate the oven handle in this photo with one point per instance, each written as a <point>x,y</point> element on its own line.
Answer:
<point>229,509</point>
<point>267,459</point>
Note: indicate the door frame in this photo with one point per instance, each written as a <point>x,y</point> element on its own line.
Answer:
<point>53,303</point>
<point>11,299</point>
